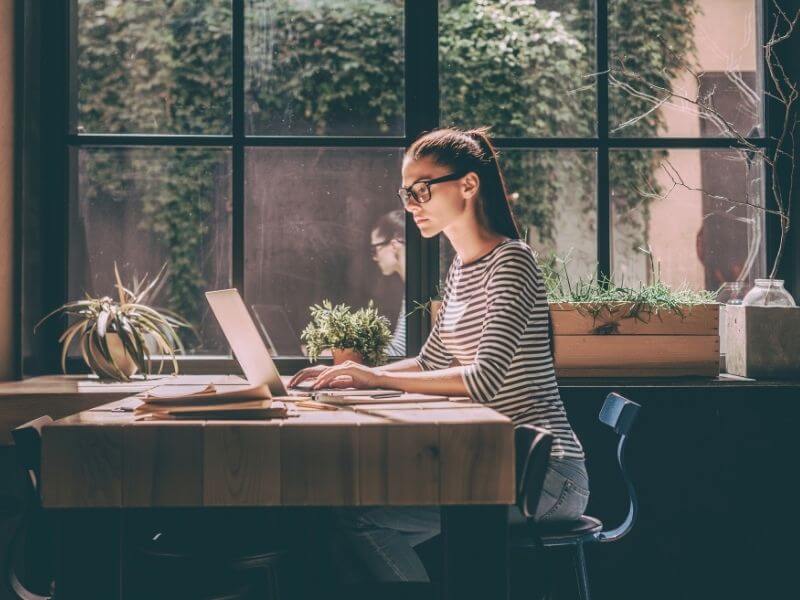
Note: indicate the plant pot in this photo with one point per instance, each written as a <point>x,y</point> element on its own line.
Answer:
<point>762,341</point>
<point>341,355</point>
<point>661,344</point>
<point>124,362</point>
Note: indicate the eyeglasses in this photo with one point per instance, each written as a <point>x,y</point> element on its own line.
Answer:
<point>378,245</point>
<point>420,191</point>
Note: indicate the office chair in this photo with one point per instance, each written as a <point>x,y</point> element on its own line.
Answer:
<point>33,528</point>
<point>533,453</point>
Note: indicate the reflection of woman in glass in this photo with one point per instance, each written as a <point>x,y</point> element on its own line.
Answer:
<point>389,252</point>
<point>490,340</point>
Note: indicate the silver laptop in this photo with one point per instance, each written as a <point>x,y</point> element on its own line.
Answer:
<point>248,347</point>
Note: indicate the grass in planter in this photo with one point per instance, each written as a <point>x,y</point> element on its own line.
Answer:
<point>596,296</point>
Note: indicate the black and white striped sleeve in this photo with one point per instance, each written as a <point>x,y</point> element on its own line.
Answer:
<point>510,297</point>
<point>434,354</point>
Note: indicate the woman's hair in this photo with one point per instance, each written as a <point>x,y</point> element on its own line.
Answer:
<point>392,225</point>
<point>471,151</point>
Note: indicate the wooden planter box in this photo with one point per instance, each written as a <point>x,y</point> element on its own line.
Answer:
<point>610,346</point>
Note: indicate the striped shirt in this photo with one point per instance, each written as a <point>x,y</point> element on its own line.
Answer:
<point>494,321</point>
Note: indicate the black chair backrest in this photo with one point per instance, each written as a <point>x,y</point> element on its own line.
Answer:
<point>37,529</point>
<point>28,442</point>
<point>532,449</point>
<point>620,414</point>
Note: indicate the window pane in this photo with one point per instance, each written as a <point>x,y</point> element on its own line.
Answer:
<point>143,207</point>
<point>318,225</point>
<point>518,66</point>
<point>692,210</point>
<point>151,67</point>
<point>553,198</point>
<point>704,51</point>
<point>324,67</point>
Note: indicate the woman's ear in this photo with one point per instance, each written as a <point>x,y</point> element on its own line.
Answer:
<point>471,185</point>
<point>398,247</point>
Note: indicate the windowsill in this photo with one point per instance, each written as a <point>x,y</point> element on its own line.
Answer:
<point>225,365</point>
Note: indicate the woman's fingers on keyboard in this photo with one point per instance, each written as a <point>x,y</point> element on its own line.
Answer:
<point>298,378</point>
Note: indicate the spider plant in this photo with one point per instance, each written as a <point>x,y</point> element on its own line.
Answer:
<point>138,327</point>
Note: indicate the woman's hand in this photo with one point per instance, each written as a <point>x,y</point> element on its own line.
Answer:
<point>347,374</point>
<point>307,373</point>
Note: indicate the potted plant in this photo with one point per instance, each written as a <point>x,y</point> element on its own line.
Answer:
<point>116,337</point>
<point>602,329</point>
<point>361,336</point>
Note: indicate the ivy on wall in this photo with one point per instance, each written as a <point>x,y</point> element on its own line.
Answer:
<point>336,68</point>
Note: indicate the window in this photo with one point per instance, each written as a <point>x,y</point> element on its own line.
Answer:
<point>258,143</point>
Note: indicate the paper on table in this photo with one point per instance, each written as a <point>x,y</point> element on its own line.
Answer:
<point>205,394</point>
<point>262,409</point>
<point>177,391</point>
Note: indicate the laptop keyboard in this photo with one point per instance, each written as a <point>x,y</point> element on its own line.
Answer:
<point>305,387</point>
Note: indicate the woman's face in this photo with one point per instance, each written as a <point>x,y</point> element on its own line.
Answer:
<point>385,252</point>
<point>450,200</point>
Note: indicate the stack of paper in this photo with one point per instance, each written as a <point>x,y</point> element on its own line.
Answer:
<point>210,401</point>
<point>205,393</point>
<point>256,409</point>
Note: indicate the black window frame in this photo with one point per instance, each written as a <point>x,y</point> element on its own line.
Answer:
<point>46,35</point>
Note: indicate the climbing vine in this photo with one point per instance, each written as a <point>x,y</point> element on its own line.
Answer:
<point>336,68</point>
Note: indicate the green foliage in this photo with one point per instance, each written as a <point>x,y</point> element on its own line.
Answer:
<point>365,331</point>
<point>336,68</point>
<point>333,67</point>
<point>637,33</point>
<point>514,66</point>
<point>142,73</point>
<point>607,296</point>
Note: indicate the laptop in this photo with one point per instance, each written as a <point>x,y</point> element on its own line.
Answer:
<point>251,352</point>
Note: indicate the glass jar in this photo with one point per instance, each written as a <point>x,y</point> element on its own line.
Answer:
<point>768,292</point>
<point>731,292</point>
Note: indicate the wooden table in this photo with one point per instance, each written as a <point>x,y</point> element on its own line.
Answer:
<point>453,454</point>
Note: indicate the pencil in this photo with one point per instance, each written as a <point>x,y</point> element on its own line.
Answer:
<point>317,405</point>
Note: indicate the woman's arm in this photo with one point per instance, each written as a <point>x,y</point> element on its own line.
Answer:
<point>407,364</point>
<point>448,381</point>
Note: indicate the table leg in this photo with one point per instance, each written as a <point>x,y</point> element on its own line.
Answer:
<point>89,564</point>
<point>476,552</point>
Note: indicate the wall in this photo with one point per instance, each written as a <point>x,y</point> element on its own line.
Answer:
<point>6,187</point>
<point>725,41</point>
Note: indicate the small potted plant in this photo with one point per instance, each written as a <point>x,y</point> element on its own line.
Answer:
<point>116,337</point>
<point>361,336</point>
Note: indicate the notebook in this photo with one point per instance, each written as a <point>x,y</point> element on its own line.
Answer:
<point>206,393</point>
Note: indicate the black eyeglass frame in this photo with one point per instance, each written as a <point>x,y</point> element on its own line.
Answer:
<point>374,247</point>
<point>404,192</point>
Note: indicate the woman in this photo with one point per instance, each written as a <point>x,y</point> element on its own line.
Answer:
<point>387,241</point>
<point>490,340</point>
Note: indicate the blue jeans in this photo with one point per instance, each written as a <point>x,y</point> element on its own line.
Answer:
<point>384,538</point>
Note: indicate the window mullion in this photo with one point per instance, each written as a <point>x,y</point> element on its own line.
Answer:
<point>237,156</point>
<point>421,26</point>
